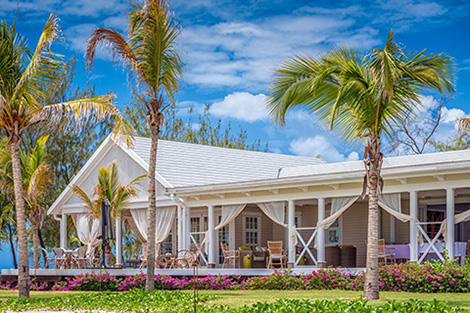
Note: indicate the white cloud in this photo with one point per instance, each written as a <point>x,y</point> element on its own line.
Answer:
<point>241,105</point>
<point>320,145</point>
<point>451,115</point>
<point>242,55</point>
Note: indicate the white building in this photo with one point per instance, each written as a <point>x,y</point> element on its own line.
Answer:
<point>282,197</point>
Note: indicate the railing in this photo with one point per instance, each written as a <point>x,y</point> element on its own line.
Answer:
<point>199,245</point>
<point>431,242</point>
<point>306,248</point>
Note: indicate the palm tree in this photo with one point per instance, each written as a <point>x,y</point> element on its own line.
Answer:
<point>151,54</point>
<point>363,98</point>
<point>37,181</point>
<point>463,124</point>
<point>108,187</point>
<point>24,78</point>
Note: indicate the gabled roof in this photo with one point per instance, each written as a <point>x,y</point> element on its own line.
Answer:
<point>428,159</point>
<point>186,164</point>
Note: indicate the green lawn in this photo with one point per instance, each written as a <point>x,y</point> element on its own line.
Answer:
<point>236,298</point>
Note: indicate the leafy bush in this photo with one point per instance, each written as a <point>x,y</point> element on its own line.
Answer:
<point>427,278</point>
<point>357,306</point>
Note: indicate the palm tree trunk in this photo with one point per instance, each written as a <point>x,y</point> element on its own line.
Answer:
<point>152,201</point>
<point>373,165</point>
<point>35,246</point>
<point>12,246</point>
<point>43,245</point>
<point>23,262</point>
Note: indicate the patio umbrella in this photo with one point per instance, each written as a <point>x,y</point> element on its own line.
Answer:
<point>107,228</point>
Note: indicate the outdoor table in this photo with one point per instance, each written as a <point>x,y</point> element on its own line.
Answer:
<point>459,250</point>
<point>402,251</point>
<point>133,263</point>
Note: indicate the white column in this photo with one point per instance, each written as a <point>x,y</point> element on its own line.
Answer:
<point>413,227</point>
<point>450,216</point>
<point>211,236</point>
<point>291,224</point>
<point>118,243</point>
<point>179,226</point>
<point>187,227</point>
<point>321,261</point>
<point>63,231</point>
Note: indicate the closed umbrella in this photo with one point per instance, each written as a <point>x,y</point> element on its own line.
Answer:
<point>107,228</point>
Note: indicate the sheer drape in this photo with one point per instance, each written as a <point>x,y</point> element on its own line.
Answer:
<point>164,217</point>
<point>459,218</point>
<point>392,204</point>
<point>88,228</point>
<point>338,207</point>
<point>229,213</point>
<point>276,211</point>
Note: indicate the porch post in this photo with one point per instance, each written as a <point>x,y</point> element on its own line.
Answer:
<point>413,227</point>
<point>211,236</point>
<point>118,242</point>
<point>290,227</point>
<point>63,231</point>
<point>187,228</point>
<point>321,261</point>
<point>450,217</point>
<point>180,228</point>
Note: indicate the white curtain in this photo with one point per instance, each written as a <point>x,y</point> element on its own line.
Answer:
<point>459,218</point>
<point>391,204</point>
<point>88,228</point>
<point>276,212</point>
<point>338,207</point>
<point>229,213</point>
<point>164,218</point>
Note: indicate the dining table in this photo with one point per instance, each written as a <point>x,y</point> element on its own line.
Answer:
<point>403,250</point>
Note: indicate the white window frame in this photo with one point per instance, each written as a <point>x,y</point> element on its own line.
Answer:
<point>244,216</point>
<point>339,228</point>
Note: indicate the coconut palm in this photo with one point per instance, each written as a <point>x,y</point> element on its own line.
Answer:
<point>151,55</point>
<point>108,187</point>
<point>37,178</point>
<point>36,181</point>
<point>463,124</point>
<point>24,78</point>
<point>363,98</point>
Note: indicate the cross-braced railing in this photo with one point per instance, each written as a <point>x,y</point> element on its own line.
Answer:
<point>199,245</point>
<point>431,242</point>
<point>306,248</point>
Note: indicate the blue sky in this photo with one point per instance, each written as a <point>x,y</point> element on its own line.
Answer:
<point>231,48</point>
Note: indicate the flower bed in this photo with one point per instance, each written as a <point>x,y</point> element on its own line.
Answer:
<point>426,278</point>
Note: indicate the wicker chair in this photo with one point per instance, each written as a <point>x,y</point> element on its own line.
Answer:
<point>80,259</point>
<point>277,255</point>
<point>59,258</point>
<point>231,257</point>
<point>386,254</point>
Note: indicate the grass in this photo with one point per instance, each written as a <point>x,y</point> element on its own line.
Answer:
<point>237,298</point>
<point>13,294</point>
